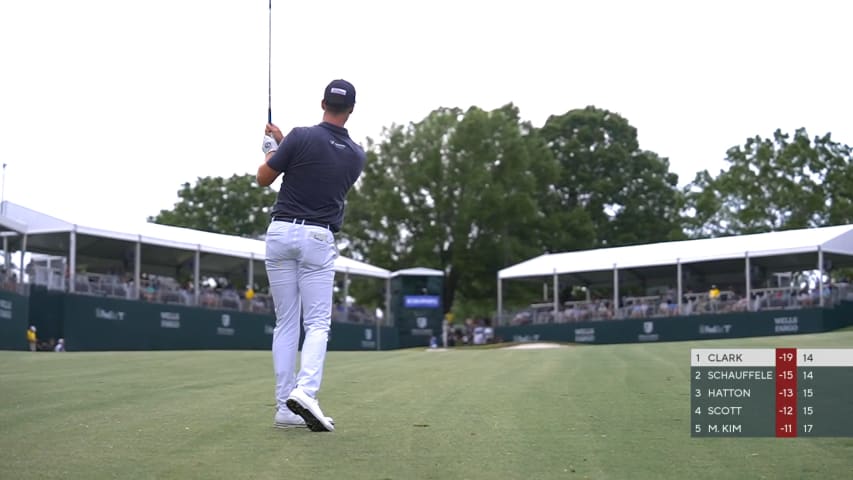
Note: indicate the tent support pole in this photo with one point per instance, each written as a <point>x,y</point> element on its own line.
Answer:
<point>680,287</point>
<point>499,316</point>
<point>820,275</point>
<point>748,272</point>
<point>616,312</point>
<point>556,295</point>
<point>137,268</point>
<point>196,272</point>
<point>72,259</point>
<point>346,294</point>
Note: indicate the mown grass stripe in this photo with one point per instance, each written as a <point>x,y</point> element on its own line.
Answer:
<point>613,411</point>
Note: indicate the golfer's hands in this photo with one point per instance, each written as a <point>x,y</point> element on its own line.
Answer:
<point>269,145</point>
<point>274,132</point>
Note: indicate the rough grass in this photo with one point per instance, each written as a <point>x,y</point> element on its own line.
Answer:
<point>616,412</point>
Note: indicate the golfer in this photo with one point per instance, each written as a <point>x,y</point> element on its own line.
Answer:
<point>319,166</point>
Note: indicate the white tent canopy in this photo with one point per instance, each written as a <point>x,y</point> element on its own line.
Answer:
<point>418,271</point>
<point>47,234</point>
<point>837,240</point>
<point>735,259</point>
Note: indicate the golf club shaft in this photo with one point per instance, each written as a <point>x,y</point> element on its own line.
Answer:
<point>269,70</point>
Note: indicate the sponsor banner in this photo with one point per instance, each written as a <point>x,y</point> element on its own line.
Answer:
<point>107,314</point>
<point>170,320</point>
<point>421,329</point>
<point>6,309</point>
<point>585,335</point>
<point>368,341</point>
<point>14,320</point>
<point>225,329</point>
<point>718,329</point>
<point>422,301</point>
<point>789,324</point>
<point>648,334</point>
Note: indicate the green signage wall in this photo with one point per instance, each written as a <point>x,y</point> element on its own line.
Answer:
<point>348,336</point>
<point>734,325</point>
<point>14,321</point>
<point>46,311</point>
<point>92,323</point>
<point>417,309</point>
<point>96,323</point>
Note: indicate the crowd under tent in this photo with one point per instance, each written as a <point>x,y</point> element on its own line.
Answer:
<point>151,248</point>
<point>742,260</point>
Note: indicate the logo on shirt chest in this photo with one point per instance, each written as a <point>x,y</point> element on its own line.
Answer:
<point>339,146</point>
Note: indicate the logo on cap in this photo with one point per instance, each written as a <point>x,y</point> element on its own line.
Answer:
<point>339,92</point>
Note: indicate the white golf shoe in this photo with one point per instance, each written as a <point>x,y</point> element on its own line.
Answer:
<point>309,409</point>
<point>287,419</point>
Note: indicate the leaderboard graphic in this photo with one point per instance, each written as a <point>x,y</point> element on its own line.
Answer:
<point>782,392</point>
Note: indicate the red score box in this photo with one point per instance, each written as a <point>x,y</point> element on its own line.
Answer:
<point>786,392</point>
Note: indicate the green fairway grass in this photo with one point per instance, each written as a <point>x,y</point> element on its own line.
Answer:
<point>601,412</point>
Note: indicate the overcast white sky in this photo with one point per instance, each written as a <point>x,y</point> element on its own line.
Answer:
<point>107,107</point>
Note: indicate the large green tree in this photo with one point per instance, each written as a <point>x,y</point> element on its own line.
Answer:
<point>609,191</point>
<point>777,183</point>
<point>457,191</point>
<point>233,206</point>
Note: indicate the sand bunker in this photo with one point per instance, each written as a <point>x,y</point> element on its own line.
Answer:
<point>535,346</point>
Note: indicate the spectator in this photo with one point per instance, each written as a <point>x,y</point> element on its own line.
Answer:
<point>673,307</point>
<point>48,345</point>
<point>714,298</point>
<point>521,318</point>
<point>826,293</point>
<point>488,331</point>
<point>604,311</point>
<point>714,293</point>
<point>804,298</point>
<point>479,335</point>
<point>32,339</point>
<point>469,330</point>
<point>663,308</point>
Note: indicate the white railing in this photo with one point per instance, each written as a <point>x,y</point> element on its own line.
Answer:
<point>656,306</point>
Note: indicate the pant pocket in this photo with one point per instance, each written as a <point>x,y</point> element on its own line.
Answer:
<point>318,248</point>
<point>283,242</point>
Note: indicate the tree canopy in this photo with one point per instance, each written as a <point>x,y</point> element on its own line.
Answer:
<point>778,183</point>
<point>472,191</point>
<point>613,192</point>
<point>458,191</point>
<point>234,206</point>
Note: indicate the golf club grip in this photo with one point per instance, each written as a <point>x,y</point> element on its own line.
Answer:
<point>269,115</point>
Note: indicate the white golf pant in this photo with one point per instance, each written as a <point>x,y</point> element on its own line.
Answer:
<point>300,266</point>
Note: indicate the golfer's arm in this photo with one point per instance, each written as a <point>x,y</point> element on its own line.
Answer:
<point>266,174</point>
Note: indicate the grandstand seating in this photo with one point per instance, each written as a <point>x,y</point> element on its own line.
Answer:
<point>655,306</point>
<point>165,290</point>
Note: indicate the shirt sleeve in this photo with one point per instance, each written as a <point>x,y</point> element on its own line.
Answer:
<point>283,157</point>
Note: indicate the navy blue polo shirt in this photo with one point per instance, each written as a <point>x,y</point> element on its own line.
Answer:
<point>320,164</point>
